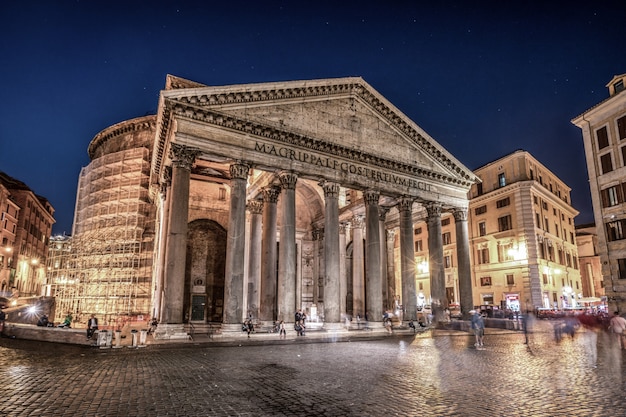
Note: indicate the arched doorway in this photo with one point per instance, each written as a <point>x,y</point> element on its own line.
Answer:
<point>204,271</point>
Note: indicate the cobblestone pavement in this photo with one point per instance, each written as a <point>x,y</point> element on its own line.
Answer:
<point>437,373</point>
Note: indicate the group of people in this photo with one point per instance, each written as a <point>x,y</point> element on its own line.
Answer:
<point>300,322</point>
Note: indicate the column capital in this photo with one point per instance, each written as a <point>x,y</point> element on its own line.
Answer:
<point>405,204</point>
<point>331,189</point>
<point>391,234</point>
<point>167,175</point>
<point>288,180</point>
<point>271,193</point>
<point>183,156</point>
<point>344,228</point>
<point>255,206</point>
<point>460,214</point>
<point>371,197</point>
<point>433,209</point>
<point>239,170</point>
<point>357,222</point>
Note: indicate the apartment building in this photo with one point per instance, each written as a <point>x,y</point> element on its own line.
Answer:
<point>604,137</point>
<point>522,239</point>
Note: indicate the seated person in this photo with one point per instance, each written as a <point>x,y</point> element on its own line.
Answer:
<point>43,321</point>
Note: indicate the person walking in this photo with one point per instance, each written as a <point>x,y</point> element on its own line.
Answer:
<point>281,329</point>
<point>617,325</point>
<point>92,326</point>
<point>478,326</point>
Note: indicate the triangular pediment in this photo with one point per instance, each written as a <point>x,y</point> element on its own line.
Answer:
<point>345,112</point>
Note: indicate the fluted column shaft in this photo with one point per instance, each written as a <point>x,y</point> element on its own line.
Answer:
<point>332,291</point>
<point>235,247</point>
<point>163,230</point>
<point>176,250</point>
<point>437,271</point>
<point>373,287</point>
<point>287,254</point>
<point>343,279</point>
<point>267,311</point>
<point>407,259</point>
<point>466,297</point>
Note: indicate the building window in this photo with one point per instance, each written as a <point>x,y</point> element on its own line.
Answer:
<point>606,163</point>
<point>545,279</point>
<point>418,231</point>
<point>485,281</point>
<point>611,196</point>
<point>621,263</point>
<point>618,86</point>
<point>501,180</point>
<point>505,252</point>
<point>544,205</point>
<point>447,239</point>
<point>482,229</point>
<point>222,194</point>
<point>615,230</point>
<point>538,220</point>
<point>447,261</point>
<point>505,223</point>
<point>482,209</point>
<point>483,256</point>
<point>535,200</point>
<point>546,224</point>
<point>446,221</point>
<point>418,246</point>
<point>510,280</point>
<point>621,127</point>
<point>603,138</point>
<point>479,188</point>
<point>503,203</point>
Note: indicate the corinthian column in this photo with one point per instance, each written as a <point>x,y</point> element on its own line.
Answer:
<point>255,207</point>
<point>268,260</point>
<point>343,282</point>
<point>176,246</point>
<point>435,250</point>
<point>332,293</point>
<point>407,259</point>
<point>287,254</point>
<point>382,215</point>
<point>373,287</point>
<point>235,248</point>
<point>463,258</point>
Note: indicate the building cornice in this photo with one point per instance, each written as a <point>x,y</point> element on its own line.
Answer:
<point>122,128</point>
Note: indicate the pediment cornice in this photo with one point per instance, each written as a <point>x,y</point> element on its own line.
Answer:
<point>201,104</point>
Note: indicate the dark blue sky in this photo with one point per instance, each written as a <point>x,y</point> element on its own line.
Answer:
<point>482,79</point>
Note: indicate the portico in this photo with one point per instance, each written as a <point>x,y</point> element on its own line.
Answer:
<point>299,174</point>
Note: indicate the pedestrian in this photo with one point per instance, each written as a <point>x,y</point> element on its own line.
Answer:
<point>3,317</point>
<point>617,325</point>
<point>92,326</point>
<point>478,326</point>
<point>248,327</point>
<point>282,332</point>
<point>67,321</point>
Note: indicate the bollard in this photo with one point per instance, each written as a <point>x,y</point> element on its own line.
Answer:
<point>109,338</point>
<point>118,339</point>
<point>134,336</point>
<point>102,339</point>
<point>142,337</point>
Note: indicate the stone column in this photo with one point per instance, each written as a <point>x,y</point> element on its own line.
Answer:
<point>163,227</point>
<point>332,289</point>
<point>268,260</point>
<point>255,207</point>
<point>391,269</point>
<point>463,258</point>
<point>407,259</point>
<point>176,251</point>
<point>317,234</point>
<point>373,286</point>
<point>435,251</point>
<point>343,280</point>
<point>382,216</point>
<point>358,268</point>
<point>235,249</point>
<point>287,254</point>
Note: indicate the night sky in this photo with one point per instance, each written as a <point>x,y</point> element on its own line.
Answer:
<point>482,78</point>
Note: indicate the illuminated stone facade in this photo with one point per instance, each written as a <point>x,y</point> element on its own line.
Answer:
<point>604,135</point>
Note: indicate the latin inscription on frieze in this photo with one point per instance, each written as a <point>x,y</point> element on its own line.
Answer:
<point>334,164</point>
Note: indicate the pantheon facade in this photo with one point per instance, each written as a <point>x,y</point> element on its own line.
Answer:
<point>301,195</point>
